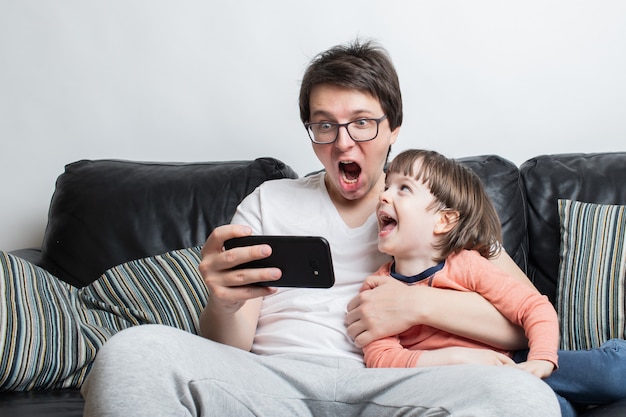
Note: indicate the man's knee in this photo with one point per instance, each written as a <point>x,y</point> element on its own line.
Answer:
<point>519,391</point>
<point>148,343</point>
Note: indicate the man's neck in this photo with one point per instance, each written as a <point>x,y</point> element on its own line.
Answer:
<point>356,212</point>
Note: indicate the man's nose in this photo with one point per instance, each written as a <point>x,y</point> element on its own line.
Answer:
<point>344,140</point>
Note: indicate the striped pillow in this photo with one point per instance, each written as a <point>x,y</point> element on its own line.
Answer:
<point>590,291</point>
<point>163,289</point>
<point>50,332</point>
<point>41,344</point>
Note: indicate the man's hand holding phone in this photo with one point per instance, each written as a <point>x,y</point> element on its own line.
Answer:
<point>232,311</point>
<point>237,267</point>
<point>232,287</point>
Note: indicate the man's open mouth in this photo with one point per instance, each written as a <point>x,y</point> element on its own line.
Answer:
<point>350,171</point>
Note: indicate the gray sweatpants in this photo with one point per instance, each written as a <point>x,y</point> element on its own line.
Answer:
<point>155,370</point>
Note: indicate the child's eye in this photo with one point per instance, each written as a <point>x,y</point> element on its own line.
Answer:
<point>405,188</point>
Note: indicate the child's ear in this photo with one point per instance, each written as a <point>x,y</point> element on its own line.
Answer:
<point>448,219</point>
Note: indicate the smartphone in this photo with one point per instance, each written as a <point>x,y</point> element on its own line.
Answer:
<point>305,261</point>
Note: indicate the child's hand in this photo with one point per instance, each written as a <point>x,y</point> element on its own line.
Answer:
<point>539,368</point>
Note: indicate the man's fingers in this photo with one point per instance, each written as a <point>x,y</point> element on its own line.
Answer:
<point>215,241</point>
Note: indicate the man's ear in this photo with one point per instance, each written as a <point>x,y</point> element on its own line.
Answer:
<point>448,219</point>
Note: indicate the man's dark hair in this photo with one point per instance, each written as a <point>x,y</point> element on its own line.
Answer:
<point>363,66</point>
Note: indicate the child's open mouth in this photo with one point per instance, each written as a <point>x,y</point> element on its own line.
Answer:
<point>386,222</point>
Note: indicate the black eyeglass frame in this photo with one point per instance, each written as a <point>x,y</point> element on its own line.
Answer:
<point>307,126</point>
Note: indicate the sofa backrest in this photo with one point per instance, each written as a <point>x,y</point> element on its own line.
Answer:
<point>107,212</point>
<point>501,179</point>
<point>591,178</point>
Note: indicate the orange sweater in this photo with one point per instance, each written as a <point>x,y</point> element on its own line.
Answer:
<point>468,271</point>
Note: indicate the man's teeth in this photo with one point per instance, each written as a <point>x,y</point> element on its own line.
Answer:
<point>350,171</point>
<point>349,180</point>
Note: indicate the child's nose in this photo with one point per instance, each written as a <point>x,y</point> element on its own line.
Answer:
<point>384,196</point>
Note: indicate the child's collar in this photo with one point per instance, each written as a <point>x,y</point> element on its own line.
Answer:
<point>415,278</point>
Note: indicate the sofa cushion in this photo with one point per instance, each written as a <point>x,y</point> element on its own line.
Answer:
<point>162,289</point>
<point>592,274</point>
<point>52,331</point>
<point>41,345</point>
<point>592,178</point>
<point>107,212</point>
<point>501,179</point>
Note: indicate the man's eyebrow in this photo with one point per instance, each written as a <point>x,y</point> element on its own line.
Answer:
<point>322,113</point>
<point>354,115</point>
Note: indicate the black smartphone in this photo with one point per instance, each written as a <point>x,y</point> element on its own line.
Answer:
<point>305,261</point>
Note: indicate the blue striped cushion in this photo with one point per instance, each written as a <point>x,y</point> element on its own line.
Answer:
<point>50,331</point>
<point>41,345</point>
<point>164,289</point>
<point>590,293</point>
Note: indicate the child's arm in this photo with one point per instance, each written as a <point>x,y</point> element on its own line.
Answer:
<point>388,353</point>
<point>462,355</point>
<point>518,302</point>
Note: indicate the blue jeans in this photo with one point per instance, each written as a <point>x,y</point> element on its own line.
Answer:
<point>588,377</point>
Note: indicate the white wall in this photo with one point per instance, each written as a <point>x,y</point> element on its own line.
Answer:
<point>207,80</point>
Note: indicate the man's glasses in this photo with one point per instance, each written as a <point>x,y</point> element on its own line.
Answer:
<point>360,130</point>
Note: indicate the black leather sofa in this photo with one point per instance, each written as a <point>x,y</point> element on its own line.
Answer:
<point>107,212</point>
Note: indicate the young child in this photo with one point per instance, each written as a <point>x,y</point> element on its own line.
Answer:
<point>440,226</point>
<point>438,223</point>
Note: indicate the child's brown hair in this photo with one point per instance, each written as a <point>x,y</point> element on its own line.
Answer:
<point>455,187</point>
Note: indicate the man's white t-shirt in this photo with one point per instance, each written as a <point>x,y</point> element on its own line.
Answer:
<point>307,320</point>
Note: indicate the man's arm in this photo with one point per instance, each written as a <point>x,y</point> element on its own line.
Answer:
<point>232,311</point>
<point>386,307</point>
<point>503,261</point>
